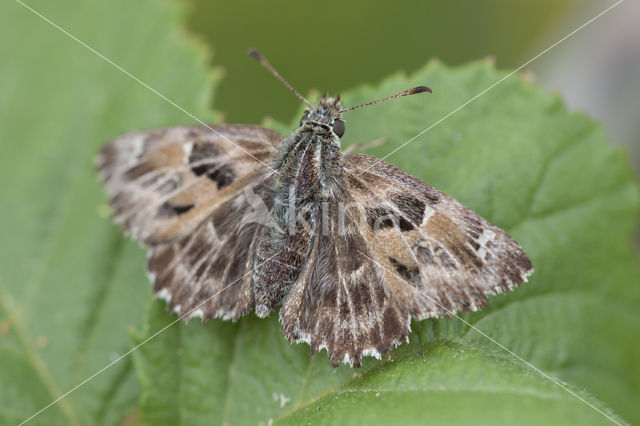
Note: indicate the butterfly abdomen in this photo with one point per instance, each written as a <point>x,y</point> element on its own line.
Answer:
<point>282,250</point>
<point>279,259</point>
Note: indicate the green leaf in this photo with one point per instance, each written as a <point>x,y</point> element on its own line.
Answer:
<point>516,156</point>
<point>71,287</point>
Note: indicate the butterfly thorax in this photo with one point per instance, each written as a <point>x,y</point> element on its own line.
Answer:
<point>308,171</point>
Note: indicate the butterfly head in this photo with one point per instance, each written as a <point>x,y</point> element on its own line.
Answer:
<point>327,114</point>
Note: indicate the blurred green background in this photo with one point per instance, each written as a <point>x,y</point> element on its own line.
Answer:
<point>338,45</point>
<point>334,45</point>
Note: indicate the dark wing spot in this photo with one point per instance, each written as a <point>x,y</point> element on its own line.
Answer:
<point>405,225</point>
<point>203,151</point>
<point>168,210</point>
<point>202,155</point>
<point>411,208</point>
<point>223,176</point>
<point>410,274</point>
<point>200,169</point>
<point>379,218</point>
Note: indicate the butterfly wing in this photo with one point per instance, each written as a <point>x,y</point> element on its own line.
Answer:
<point>397,249</point>
<point>196,196</point>
<point>341,301</point>
<point>208,273</point>
<point>443,248</point>
<point>163,183</point>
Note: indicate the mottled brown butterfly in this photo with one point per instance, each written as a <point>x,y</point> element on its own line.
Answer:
<point>350,248</point>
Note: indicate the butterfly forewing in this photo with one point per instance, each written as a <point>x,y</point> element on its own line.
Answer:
<point>208,273</point>
<point>449,255</point>
<point>164,183</point>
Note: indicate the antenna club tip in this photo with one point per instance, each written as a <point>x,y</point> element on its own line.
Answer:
<point>421,89</point>
<point>254,53</point>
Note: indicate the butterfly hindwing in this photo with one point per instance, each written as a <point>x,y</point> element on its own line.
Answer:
<point>163,183</point>
<point>341,302</point>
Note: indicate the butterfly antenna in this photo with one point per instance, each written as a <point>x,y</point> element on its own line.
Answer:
<point>263,61</point>
<point>408,92</point>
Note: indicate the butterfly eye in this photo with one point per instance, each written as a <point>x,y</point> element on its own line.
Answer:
<point>338,127</point>
<point>304,117</point>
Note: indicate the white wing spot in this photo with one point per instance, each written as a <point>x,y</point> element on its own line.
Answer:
<point>137,148</point>
<point>487,235</point>
<point>371,352</point>
<point>198,313</point>
<point>346,359</point>
<point>187,148</point>
<point>164,295</point>
<point>428,212</point>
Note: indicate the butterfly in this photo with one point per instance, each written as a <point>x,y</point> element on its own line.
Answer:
<point>349,248</point>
